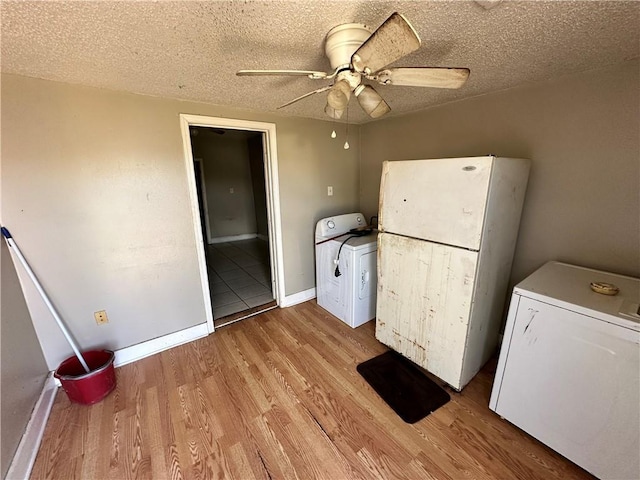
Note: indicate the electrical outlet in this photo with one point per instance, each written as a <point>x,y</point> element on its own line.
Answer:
<point>101,317</point>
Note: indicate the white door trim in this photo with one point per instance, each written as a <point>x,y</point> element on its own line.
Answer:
<point>273,198</point>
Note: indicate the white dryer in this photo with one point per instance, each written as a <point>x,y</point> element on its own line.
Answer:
<point>346,268</point>
<point>569,367</point>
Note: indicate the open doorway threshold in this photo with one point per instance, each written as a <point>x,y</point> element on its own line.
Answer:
<point>236,317</point>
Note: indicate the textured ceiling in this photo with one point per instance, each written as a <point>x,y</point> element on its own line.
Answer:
<point>191,50</point>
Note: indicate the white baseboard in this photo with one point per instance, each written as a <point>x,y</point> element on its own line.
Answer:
<point>157,345</point>
<point>151,347</point>
<point>299,297</point>
<point>233,238</point>
<point>25,455</point>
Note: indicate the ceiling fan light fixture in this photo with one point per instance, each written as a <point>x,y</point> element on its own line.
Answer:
<point>332,112</point>
<point>371,101</point>
<point>339,95</point>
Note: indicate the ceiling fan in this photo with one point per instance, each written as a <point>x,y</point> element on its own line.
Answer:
<point>356,54</point>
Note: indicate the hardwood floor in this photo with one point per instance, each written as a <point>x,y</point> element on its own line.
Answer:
<point>278,396</point>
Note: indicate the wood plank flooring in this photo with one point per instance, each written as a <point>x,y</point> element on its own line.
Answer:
<point>278,396</point>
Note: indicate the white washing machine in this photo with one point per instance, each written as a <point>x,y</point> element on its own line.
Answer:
<point>346,268</point>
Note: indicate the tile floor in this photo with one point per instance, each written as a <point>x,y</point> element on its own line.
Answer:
<point>239,276</point>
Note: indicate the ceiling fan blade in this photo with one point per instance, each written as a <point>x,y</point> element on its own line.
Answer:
<point>302,73</point>
<point>322,89</point>
<point>423,77</point>
<point>371,101</point>
<point>394,39</point>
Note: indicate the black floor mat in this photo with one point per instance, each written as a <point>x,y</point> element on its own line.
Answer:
<point>400,383</point>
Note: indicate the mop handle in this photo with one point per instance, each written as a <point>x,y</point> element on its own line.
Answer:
<point>23,261</point>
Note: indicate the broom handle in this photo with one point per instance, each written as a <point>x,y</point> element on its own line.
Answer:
<point>66,333</point>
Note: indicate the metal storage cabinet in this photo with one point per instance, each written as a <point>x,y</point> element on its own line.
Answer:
<point>569,368</point>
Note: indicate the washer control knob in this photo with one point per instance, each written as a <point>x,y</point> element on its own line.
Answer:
<point>359,220</point>
<point>331,224</point>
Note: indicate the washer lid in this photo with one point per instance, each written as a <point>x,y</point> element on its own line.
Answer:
<point>337,225</point>
<point>357,243</point>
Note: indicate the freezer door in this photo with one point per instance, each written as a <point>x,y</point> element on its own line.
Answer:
<point>439,200</point>
<point>424,301</point>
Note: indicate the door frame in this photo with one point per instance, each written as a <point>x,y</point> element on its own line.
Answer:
<point>270,160</point>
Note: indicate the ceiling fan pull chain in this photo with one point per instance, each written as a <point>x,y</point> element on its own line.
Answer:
<point>346,143</point>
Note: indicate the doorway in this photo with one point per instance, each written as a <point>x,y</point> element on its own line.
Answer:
<point>232,173</point>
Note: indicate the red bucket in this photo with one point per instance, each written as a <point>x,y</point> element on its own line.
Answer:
<point>88,388</point>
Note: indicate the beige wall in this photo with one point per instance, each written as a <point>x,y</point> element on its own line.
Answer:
<point>226,167</point>
<point>22,366</point>
<point>582,133</point>
<point>95,192</point>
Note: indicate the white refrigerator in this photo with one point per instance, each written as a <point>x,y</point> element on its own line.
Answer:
<point>448,229</point>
